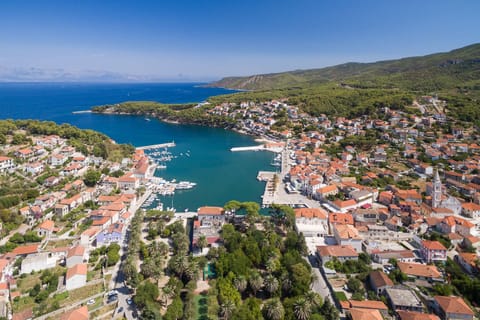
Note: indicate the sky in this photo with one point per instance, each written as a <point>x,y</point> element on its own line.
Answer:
<point>204,40</point>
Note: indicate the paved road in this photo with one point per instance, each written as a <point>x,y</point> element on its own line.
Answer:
<point>118,278</point>
<point>319,285</point>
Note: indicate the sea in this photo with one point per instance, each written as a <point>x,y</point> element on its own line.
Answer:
<point>201,155</point>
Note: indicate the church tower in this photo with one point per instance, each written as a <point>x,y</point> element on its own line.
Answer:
<point>437,190</point>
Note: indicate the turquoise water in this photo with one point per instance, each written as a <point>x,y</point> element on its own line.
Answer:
<point>220,175</point>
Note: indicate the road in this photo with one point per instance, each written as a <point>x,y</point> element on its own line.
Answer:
<point>118,278</point>
<point>319,285</point>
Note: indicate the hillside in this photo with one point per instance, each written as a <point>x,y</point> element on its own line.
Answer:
<point>442,69</point>
<point>358,88</point>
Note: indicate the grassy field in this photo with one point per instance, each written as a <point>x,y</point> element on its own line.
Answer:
<point>202,308</point>
<point>82,293</point>
<point>28,282</point>
<point>106,309</point>
<point>340,296</point>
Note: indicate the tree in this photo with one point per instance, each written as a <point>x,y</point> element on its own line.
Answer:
<point>202,242</point>
<point>301,278</point>
<point>313,298</point>
<point>256,282</point>
<point>248,310</point>
<point>91,177</point>
<point>329,311</point>
<point>274,310</point>
<point>240,283</point>
<point>302,309</point>
<point>147,292</point>
<point>271,284</point>
<point>226,309</point>
<point>174,310</point>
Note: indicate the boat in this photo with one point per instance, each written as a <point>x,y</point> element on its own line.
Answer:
<point>147,119</point>
<point>185,185</point>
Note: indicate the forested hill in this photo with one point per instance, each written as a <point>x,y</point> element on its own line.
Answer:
<point>354,89</point>
<point>432,72</point>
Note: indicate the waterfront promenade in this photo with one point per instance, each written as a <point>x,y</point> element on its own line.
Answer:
<point>275,193</point>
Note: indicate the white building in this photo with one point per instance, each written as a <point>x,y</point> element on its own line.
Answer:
<point>76,276</point>
<point>312,222</point>
<point>6,164</point>
<point>38,262</point>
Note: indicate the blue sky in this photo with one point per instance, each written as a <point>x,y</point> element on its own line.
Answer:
<point>208,39</point>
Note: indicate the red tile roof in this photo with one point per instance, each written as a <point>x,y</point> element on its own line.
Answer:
<point>78,269</point>
<point>453,305</point>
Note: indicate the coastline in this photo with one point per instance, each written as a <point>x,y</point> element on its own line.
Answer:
<point>260,139</point>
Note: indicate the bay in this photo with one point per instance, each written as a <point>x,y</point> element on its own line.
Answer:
<point>220,175</point>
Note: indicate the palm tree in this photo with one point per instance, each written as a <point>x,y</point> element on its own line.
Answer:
<point>240,283</point>
<point>271,284</point>
<point>202,243</point>
<point>313,298</point>
<point>302,309</point>
<point>179,265</point>
<point>255,282</point>
<point>274,310</point>
<point>167,292</point>
<point>226,309</point>
<point>286,283</point>
<point>191,271</point>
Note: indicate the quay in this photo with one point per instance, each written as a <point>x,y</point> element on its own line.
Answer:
<point>261,147</point>
<point>157,146</point>
<point>251,148</point>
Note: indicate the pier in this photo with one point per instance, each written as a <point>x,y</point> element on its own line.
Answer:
<point>251,148</point>
<point>157,146</point>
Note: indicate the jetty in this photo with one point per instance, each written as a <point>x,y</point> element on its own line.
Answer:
<point>157,146</point>
<point>251,148</point>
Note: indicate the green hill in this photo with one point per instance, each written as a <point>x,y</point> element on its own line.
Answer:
<point>441,69</point>
<point>356,88</point>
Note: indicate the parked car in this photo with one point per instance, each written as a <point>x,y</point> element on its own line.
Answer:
<point>90,302</point>
<point>120,310</point>
<point>129,301</point>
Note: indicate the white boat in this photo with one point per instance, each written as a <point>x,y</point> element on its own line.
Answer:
<point>147,119</point>
<point>185,185</point>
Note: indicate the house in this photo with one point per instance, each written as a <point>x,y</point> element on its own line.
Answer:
<point>25,250</point>
<point>379,281</point>
<point>400,255</point>
<point>46,228</point>
<point>420,271</point>
<point>468,261</point>
<point>340,253</point>
<point>88,236</point>
<point>453,308</point>
<point>412,315</point>
<point>213,216</point>
<point>365,314</point>
<point>6,164</point>
<point>403,299</point>
<point>80,313</point>
<point>324,192</point>
<point>471,210</point>
<point>128,181</point>
<point>311,222</point>
<point>51,181</point>
<point>34,168</point>
<point>365,305</point>
<point>112,234</point>
<point>76,276</point>
<point>75,255</point>
<point>346,234</point>
<point>24,153</point>
<point>433,251</point>
<point>38,261</point>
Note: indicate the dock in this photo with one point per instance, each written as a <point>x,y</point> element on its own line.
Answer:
<point>251,148</point>
<point>157,146</point>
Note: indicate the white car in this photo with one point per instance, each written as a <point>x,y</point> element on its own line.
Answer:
<point>129,301</point>
<point>90,302</point>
